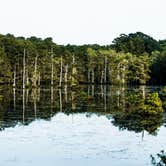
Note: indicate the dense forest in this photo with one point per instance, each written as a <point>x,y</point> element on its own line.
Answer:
<point>132,59</point>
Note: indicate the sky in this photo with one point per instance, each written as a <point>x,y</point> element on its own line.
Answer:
<point>83,21</point>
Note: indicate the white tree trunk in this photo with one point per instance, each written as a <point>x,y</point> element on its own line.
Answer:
<point>52,71</point>
<point>66,94</point>
<point>143,91</point>
<point>102,74</point>
<point>66,73</point>
<point>123,75</point>
<point>35,80</point>
<point>14,98</point>
<point>93,76</point>
<point>52,100</point>
<point>105,70</point>
<point>60,100</point>
<point>102,91</point>
<point>24,65</point>
<point>35,104</point>
<point>23,105</point>
<point>38,96</point>
<point>60,79</point>
<point>118,68</point>
<point>39,80</point>
<point>14,79</point>
<point>73,104</point>
<point>74,71</point>
<point>105,97</point>
<point>27,77</point>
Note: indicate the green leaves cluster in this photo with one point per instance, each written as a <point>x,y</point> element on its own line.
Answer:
<point>5,67</point>
<point>137,43</point>
<point>152,105</point>
<point>140,113</point>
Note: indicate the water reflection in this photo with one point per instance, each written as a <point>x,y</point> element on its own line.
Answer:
<point>122,105</point>
<point>159,159</point>
<point>140,113</point>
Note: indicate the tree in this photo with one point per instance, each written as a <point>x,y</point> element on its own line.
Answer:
<point>162,44</point>
<point>140,114</point>
<point>5,68</point>
<point>158,67</point>
<point>91,65</point>
<point>139,69</point>
<point>135,43</point>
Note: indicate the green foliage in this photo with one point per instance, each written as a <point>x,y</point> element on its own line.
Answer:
<point>164,89</point>
<point>1,97</point>
<point>139,69</point>
<point>162,44</point>
<point>158,67</point>
<point>140,113</point>
<point>129,64</point>
<point>5,73</point>
<point>163,97</point>
<point>136,43</point>
<point>152,105</point>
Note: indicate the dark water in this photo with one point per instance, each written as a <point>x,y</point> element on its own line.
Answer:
<point>85,126</point>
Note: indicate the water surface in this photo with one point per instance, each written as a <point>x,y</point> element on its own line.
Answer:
<point>85,126</point>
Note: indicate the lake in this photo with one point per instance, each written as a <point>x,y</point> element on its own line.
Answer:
<point>88,125</point>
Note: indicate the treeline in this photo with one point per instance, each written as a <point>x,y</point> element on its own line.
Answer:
<point>132,59</point>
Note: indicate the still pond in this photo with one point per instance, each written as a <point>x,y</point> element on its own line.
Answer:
<point>89,125</point>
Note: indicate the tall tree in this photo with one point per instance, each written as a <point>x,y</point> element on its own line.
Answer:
<point>136,43</point>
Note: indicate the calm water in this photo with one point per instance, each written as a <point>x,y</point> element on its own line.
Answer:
<point>85,126</point>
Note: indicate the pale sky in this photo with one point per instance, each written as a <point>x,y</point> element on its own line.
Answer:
<point>82,21</point>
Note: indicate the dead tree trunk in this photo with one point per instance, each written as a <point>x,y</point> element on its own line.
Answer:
<point>35,79</point>
<point>93,76</point>
<point>52,70</point>
<point>66,73</point>
<point>14,79</point>
<point>24,66</point>
<point>105,71</point>
<point>60,79</point>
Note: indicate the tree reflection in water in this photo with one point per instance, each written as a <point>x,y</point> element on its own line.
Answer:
<point>159,159</point>
<point>135,109</point>
<point>140,113</point>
